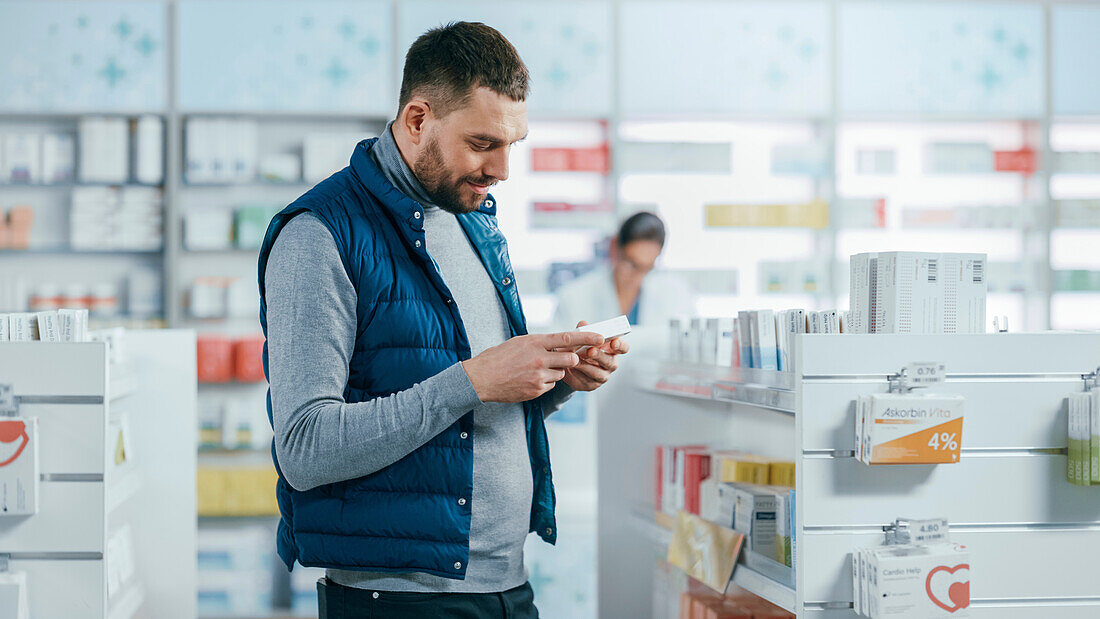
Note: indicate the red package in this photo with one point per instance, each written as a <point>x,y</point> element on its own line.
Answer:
<point>696,471</point>
<point>658,481</point>
<point>728,610</point>
<point>248,363</point>
<point>215,359</point>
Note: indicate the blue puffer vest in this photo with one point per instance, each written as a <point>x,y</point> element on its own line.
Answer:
<point>405,517</point>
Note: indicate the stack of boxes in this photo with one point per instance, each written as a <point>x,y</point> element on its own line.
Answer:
<point>737,490</point>
<point>113,218</point>
<point>917,292</point>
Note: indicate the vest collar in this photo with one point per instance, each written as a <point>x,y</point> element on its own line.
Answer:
<point>372,178</point>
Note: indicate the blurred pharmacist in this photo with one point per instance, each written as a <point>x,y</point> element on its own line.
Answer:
<point>628,284</point>
<point>406,399</point>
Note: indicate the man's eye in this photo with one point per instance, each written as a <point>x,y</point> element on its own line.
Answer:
<point>480,147</point>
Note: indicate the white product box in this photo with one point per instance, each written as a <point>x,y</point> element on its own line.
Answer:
<point>726,347</point>
<point>755,516</point>
<point>675,339</point>
<point>5,328</point>
<point>910,293</point>
<point>13,595</point>
<point>281,168</point>
<point>863,269</point>
<point>691,342</point>
<point>208,228</point>
<point>22,158</point>
<point>782,342</point>
<point>610,328</point>
<point>920,582</point>
<point>73,325</point>
<point>22,327</point>
<point>58,158</point>
<point>48,327</point>
<point>754,338</point>
<point>766,335</point>
<point>708,342</point>
<point>964,293</point>
<point>744,331</point>
<point>795,325</point>
<point>782,525</point>
<point>149,151</point>
<point>18,466</point>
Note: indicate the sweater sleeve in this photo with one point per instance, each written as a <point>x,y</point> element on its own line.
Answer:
<point>311,313</point>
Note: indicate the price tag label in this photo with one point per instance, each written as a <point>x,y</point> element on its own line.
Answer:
<point>925,374</point>
<point>7,399</point>
<point>927,531</point>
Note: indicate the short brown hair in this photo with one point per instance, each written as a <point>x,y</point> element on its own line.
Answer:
<point>446,63</point>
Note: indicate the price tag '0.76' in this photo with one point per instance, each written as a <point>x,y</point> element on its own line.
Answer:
<point>925,374</point>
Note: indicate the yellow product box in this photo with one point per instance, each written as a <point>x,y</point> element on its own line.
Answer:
<point>742,468</point>
<point>781,473</point>
<point>913,429</point>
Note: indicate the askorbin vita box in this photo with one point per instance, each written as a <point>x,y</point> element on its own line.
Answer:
<point>913,429</point>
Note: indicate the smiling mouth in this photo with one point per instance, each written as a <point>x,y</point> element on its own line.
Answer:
<point>481,189</point>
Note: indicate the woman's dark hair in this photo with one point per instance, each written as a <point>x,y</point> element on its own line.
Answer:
<point>445,64</point>
<point>643,226</point>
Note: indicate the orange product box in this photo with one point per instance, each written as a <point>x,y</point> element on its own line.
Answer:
<point>248,362</point>
<point>215,359</point>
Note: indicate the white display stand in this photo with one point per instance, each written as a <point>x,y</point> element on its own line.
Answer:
<point>1033,536</point>
<point>110,541</point>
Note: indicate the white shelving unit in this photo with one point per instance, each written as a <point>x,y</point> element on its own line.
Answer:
<point>117,537</point>
<point>1030,531</point>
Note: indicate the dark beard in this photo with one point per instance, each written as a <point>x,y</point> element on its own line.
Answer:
<point>430,171</point>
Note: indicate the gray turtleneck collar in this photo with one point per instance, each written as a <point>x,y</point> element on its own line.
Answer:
<point>388,157</point>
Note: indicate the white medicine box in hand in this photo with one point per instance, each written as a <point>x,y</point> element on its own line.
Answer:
<point>18,466</point>
<point>615,327</point>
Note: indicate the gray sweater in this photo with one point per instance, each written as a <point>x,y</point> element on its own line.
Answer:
<point>321,439</point>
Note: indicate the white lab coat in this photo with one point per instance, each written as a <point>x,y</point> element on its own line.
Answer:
<point>592,297</point>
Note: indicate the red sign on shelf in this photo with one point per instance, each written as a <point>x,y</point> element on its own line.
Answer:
<point>1023,161</point>
<point>596,159</point>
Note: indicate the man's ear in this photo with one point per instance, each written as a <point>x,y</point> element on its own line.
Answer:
<point>413,118</point>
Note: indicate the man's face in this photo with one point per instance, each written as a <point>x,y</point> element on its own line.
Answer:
<point>466,152</point>
<point>634,261</point>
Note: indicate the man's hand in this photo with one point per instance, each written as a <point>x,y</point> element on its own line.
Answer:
<point>596,364</point>
<point>525,367</point>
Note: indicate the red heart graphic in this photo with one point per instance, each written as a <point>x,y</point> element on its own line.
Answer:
<point>959,592</point>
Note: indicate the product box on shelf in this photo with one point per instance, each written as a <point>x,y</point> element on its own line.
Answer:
<point>671,462</point>
<point>755,516</point>
<point>18,466</point>
<point>727,353</point>
<point>913,581</point>
<point>782,525</point>
<point>781,473</point>
<point>909,428</point>
<point>744,330</point>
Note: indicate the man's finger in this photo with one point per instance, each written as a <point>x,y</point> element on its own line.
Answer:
<point>603,360</point>
<point>561,360</point>
<point>593,373</point>
<point>571,339</point>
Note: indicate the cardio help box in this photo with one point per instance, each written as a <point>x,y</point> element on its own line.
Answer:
<point>18,466</point>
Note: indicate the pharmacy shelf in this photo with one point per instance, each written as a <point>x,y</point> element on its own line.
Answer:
<point>766,389</point>
<point>63,250</point>
<point>74,185</point>
<point>755,573</point>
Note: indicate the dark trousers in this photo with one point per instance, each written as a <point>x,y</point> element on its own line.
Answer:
<point>339,602</point>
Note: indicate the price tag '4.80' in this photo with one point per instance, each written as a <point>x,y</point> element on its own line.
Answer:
<point>928,531</point>
<point>925,374</point>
